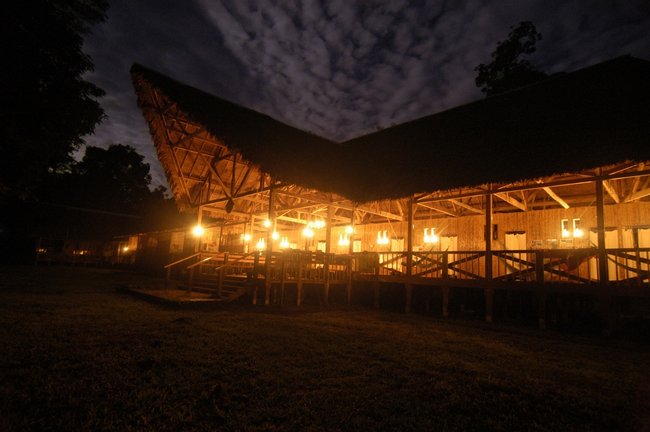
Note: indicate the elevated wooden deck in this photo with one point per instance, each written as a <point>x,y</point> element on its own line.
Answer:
<point>283,278</point>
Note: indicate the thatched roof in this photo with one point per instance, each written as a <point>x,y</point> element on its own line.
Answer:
<point>567,123</point>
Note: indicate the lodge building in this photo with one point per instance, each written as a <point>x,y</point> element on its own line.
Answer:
<point>543,188</point>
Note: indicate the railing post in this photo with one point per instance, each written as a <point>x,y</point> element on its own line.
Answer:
<point>299,280</point>
<point>256,264</point>
<point>489,290</point>
<point>541,293</point>
<point>326,287</point>
<point>222,270</point>
<point>445,288</point>
<point>349,277</point>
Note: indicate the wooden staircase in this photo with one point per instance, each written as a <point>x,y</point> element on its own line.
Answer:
<point>225,277</point>
<point>233,287</point>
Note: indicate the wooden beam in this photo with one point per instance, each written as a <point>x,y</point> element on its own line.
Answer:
<point>510,200</point>
<point>611,191</point>
<point>430,207</point>
<point>556,197</point>
<point>637,195</point>
<point>467,206</point>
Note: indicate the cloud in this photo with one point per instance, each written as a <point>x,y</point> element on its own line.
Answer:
<point>341,68</point>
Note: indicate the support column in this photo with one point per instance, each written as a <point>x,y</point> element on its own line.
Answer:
<point>328,249</point>
<point>605,303</point>
<point>409,254</point>
<point>603,271</point>
<point>350,261</point>
<point>445,288</point>
<point>489,290</point>
<point>269,248</point>
<point>541,294</point>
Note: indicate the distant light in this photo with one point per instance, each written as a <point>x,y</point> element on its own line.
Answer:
<point>267,223</point>
<point>578,233</point>
<point>275,235</point>
<point>125,249</point>
<point>382,238</point>
<point>261,244</point>
<point>344,240</point>
<point>319,224</point>
<point>430,235</point>
<point>284,243</point>
<point>198,231</point>
<point>246,237</point>
<point>308,232</point>
<point>349,229</point>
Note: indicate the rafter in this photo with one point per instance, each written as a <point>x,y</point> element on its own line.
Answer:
<point>611,191</point>
<point>439,210</point>
<point>556,197</point>
<point>512,201</point>
<point>638,195</point>
<point>467,206</point>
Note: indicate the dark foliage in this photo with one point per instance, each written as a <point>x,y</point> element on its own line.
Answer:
<point>47,106</point>
<point>508,71</point>
<point>103,195</point>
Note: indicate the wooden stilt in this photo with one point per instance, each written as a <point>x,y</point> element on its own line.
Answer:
<point>268,279</point>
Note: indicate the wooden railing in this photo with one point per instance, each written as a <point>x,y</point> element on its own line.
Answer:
<point>579,266</point>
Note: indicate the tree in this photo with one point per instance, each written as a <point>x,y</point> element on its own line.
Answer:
<point>508,70</point>
<point>105,194</point>
<point>47,107</point>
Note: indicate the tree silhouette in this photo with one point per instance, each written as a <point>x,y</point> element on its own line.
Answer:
<point>508,70</point>
<point>47,106</point>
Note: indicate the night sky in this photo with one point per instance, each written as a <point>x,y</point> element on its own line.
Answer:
<point>339,68</point>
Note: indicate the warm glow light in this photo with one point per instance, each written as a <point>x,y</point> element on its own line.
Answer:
<point>125,249</point>
<point>430,235</point>
<point>267,223</point>
<point>382,238</point>
<point>308,232</point>
<point>261,244</point>
<point>319,224</point>
<point>275,235</point>
<point>198,231</point>
<point>577,231</point>
<point>284,243</point>
<point>565,233</point>
<point>344,240</point>
<point>246,237</point>
<point>349,229</point>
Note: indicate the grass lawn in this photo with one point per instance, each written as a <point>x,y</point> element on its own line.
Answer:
<point>75,355</point>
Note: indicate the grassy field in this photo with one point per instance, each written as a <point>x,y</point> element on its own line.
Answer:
<point>75,355</point>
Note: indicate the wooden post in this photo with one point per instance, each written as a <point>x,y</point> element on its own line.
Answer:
<point>256,264</point>
<point>603,270</point>
<point>269,248</point>
<point>222,272</point>
<point>350,260</point>
<point>489,290</point>
<point>605,305</point>
<point>409,254</point>
<point>328,249</point>
<point>299,280</point>
<point>541,294</point>
<point>445,288</point>
<point>349,282</point>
